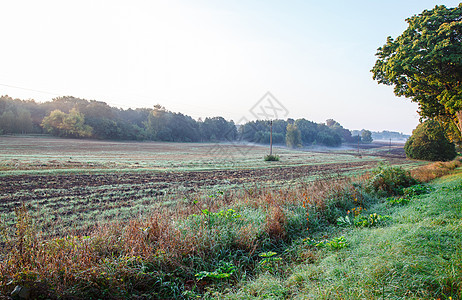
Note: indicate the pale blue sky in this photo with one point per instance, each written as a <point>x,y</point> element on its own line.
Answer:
<point>210,58</point>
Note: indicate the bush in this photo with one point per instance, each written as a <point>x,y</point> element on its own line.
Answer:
<point>271,157</point>
<point>429,142</point>
<point>389,180</point>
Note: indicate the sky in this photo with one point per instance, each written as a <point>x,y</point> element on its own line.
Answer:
<point>208,58</point>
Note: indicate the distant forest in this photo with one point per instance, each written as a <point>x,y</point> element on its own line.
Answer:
<point>79,118</point>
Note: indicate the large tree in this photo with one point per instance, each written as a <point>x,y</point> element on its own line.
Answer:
<point>425,63</point>
<point>67,125</point>
<point>293,136</point>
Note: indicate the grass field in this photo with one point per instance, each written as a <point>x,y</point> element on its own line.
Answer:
<point>68,184</point>
<point>22,155</point>
<point>120,224</point>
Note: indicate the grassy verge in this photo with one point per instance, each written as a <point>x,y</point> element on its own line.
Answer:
<point>415,254</point>
<point>329,239</point>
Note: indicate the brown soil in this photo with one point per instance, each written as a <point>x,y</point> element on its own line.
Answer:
<point>78,184</point>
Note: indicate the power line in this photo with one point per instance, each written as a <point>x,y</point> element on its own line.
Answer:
<point>196,108</point>
<point>27,89</point>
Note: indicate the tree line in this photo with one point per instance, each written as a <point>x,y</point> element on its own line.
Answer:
<point>297,133</point>
<point>79,118</point>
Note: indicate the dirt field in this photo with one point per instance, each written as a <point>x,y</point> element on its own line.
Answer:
<point>75,183</point>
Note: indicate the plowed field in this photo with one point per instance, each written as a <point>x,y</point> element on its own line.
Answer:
<point>71,184</point>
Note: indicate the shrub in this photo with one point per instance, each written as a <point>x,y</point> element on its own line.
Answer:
<point>389,180</point>
<point>271,157</point>
<point>429,142</point>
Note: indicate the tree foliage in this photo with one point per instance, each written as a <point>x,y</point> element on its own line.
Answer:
<point>343,133</point>
<point>74,117</point>
<point>366,136</point>
<point>311,133</point>
<point>67,125</point>
<point>218,129</point>
<point>429,142</point>
<point>293,136</point>
<point>425,63</point>
<point>14,119</point>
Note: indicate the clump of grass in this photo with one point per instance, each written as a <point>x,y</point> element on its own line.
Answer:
<point>275,223</point>
<point>271,157</point>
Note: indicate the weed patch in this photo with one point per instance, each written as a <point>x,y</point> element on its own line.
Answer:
<point>271,157</point>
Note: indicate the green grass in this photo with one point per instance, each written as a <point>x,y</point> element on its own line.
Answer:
<point>38,155</point>
<point>418,255</point>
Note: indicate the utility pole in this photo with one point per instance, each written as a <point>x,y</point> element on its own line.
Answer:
<point>271,137</point>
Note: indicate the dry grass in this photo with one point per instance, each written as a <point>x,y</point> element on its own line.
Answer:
<point>435,170</point>
<point>114,256</point>
<point>275,223</point>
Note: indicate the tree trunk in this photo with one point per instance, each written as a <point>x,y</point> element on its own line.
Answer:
<point>459,119</point>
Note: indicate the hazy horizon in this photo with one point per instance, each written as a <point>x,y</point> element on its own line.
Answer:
<point>210,58</point>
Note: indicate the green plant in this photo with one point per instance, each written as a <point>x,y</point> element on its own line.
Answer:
<point>372,220</point>
<point>271,157</point>
<point>219,217</point>
<point>224,270</point>
<point>408,193</point>
<point>24,237</point>
<point>344,221</point>
<point>309,242</point>
<point>334,244</point>
<point>216,194</point>
<point>293,136</point>
<point>389,180</point>
<point>269,262</point>
<point>418,189</point>
<point>397,201</point>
